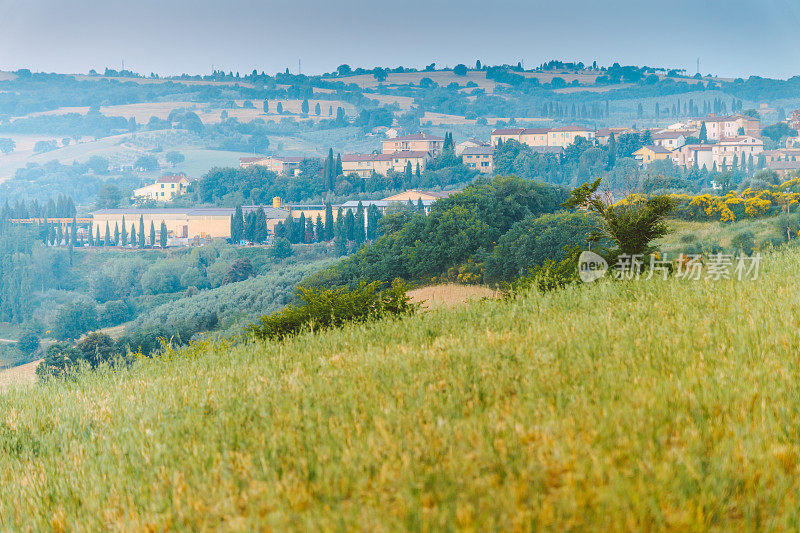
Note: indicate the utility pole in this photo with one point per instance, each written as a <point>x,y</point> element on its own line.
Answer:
<point>698,65</point>
<point>299,69</point>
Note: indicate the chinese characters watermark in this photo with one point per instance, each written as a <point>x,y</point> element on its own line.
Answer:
<point>714,267</point>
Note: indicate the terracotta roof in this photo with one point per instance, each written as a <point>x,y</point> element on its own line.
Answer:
<point>167,211</point>
<point>508,131</point>
<point>175,178</point>
<point>572,128</point>
<point>697,147</point>
<point>668,135</point>
<point>416,137</point>
<point>478,150</point>
<point>740,139</point>
<point>535,131</point>
<point>655,149</point>
<point>409,153</point>
<point>784,165</point>
<point>251,159</point>
<point>353,158</point>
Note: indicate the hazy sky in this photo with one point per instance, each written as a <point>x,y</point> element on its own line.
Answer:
<point>732,37</point>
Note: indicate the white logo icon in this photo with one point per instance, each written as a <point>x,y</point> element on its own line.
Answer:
<point>591,267</point>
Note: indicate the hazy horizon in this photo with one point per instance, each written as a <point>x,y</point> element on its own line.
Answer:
<point>189,37</point>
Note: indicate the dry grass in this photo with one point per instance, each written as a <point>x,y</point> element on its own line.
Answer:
<point>19,375</point>
<point>450,295</point>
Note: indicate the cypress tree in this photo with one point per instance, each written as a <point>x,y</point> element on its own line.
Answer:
<point>123,235</point>
<point>349,225</point>
<point>358,228</point>
<point>340,242</point>
<point>319,230</point>
<point>141,232</point>
<point>612,151</point>
<point>288,227</point>
<point>329,171</point>
<point>133,234</point>
<point>116,234</point>
<point>373,216</point>
<point>328,235</point>
<point>237,225</point>
<point>152,233</point>
<point>262,229</point>
<point>301,229</point>
<point>339,170</point>
<point>107,241</point>
<point>163,234</point>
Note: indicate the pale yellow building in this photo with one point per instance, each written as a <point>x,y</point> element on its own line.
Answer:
<point>480,158</point>
<point>735,149</point>
<point>164,189</point>
<point>718,128</point>
<point>183,225</point>
<point>402,199</point>
<point>566,135</point>
<point>364,165</point>
<point>502,135</point>
<point>648,154</point>
<point>417,142</point>
<point>276,164</point>
<point>537,137</point>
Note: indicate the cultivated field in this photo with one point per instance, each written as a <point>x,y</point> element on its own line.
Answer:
<point>443,78</point>
<point>649,405</point>
<point>144,111</point>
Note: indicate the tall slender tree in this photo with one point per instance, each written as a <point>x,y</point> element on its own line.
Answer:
<point>163,239</point>
<point>328,222</point>
<point>123,235</point>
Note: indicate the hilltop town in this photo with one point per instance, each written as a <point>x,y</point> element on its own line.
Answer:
<point>712,145</point>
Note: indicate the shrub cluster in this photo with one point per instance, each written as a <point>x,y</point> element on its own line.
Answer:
<point>332,308</point>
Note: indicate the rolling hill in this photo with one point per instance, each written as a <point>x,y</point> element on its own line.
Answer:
<point>629,405</point>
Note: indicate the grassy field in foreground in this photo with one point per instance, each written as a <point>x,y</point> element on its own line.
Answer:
<point>638,405</point>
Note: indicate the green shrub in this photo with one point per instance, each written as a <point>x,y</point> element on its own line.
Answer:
<point>688,237</point>
<point>28,343</point>
<point>744,241</point>
<point>549,276</point>
<point>535,240</point>
<point>332,308</point>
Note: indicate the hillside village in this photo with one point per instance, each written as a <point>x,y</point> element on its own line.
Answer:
<point>712,143</point>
